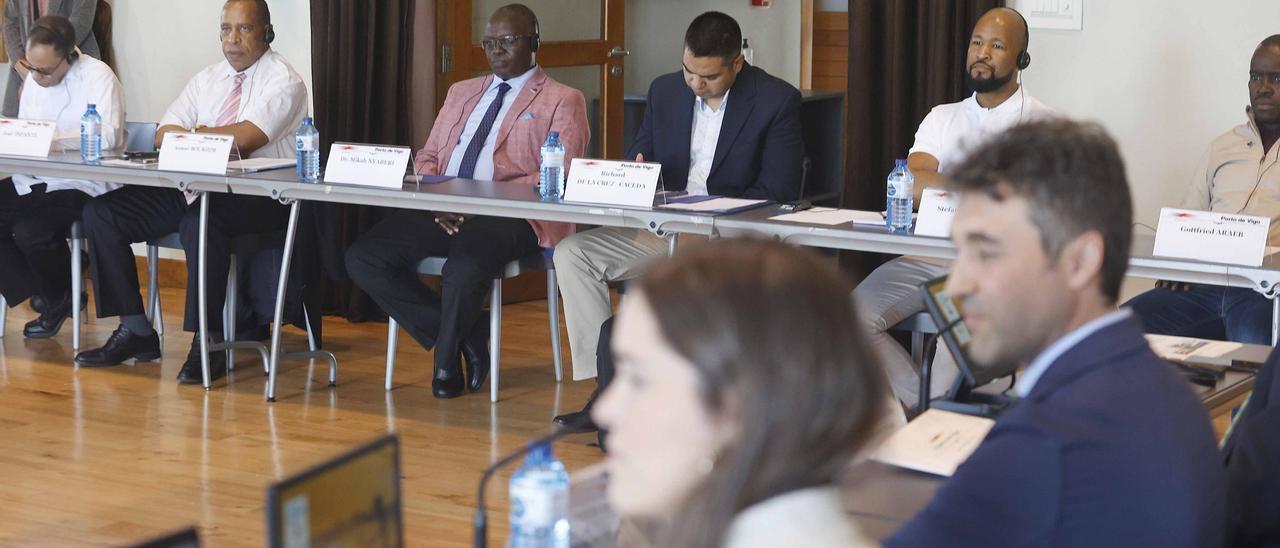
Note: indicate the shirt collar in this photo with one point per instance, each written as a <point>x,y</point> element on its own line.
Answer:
<point>229,71</point>
<point>516,82</point>
<point>701,105</point>
<point>1041,364</point>
<point>1015,102</point>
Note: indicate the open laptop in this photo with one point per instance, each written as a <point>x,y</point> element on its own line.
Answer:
<point>948,316</point>
<point>351,500</point>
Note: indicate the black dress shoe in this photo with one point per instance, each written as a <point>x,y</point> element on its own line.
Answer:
<point>123,345</point>
<point>38,304</point>
<point>475,351</point>
<point>447,382</point>
<point>191,369</point>
<point>579,422</point>
<point>50,321</point>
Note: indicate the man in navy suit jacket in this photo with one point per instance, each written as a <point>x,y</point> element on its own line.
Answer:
<point>1252,456</point>
<point>1107,445</point>
<point>719,127</point>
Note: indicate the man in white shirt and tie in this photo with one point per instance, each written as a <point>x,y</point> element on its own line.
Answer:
<point>35,212</point>
<point>255,96</point>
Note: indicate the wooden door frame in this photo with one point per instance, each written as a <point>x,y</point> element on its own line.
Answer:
<point>460,57</point>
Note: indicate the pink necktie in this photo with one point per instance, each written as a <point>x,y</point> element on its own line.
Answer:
<point>231,109</point>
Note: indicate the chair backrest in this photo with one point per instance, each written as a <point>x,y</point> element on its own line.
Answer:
<point>140,136</point>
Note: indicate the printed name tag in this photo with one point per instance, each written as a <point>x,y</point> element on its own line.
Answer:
<point>26,137</point>
<point>367,165</point>
<point>612,183</point>
<point>937,209</point>
<point>196,152</point>
<point>1213,237</point>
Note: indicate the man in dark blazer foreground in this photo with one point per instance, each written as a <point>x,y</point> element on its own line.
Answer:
<point>1252,456</point>
<point>719,127</point>
<point>1107,446</point>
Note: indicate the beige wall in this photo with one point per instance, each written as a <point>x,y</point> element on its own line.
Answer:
<point>1164,77</point>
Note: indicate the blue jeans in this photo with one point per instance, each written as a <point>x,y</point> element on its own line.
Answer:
<point>1206,312</point>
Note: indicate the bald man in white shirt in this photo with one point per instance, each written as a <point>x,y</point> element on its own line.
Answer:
<point>255,96</point>
<point>35,212</point>
<point>996,56</point>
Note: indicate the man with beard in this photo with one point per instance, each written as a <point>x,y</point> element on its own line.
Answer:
<point>1238,175</point>
<point>997,55</point>
<point>1106,445</point>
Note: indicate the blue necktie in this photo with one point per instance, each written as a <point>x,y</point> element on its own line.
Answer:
<point>469,159</point>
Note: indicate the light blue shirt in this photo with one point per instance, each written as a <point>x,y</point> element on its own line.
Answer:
<point>1038,366</point>
<point>484,165</point>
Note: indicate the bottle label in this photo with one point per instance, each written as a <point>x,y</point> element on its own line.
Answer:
<point>308,143</point>
<point>535,506</point>
<point>899,187</point>
<point>552,159</point>
<point>88,127</point>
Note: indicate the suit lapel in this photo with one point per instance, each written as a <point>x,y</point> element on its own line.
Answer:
<point>742,99</point>
<point>680,141</point>
<point>459,121</point>
<point>1108,345</point>
<point>521,104</point>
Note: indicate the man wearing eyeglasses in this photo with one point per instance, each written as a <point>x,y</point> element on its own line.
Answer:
<point>254,96</point>
<point>35,212</point>
<point>491,128</point>
<point>20,17</point>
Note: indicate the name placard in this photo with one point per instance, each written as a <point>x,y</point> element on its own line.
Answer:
<point>937,209</point>
<point>1213,237</point>
<point>26,137</point>
<point>196,152</point>
<point>367,165</point>
<point>612,183</point>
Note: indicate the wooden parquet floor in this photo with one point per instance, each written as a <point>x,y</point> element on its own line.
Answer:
<point>109,456</point>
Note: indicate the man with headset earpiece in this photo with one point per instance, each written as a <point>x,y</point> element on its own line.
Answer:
<point>997,56</point>
<point>35,212</point>
<point>20,17</point>
<point>255,96</point>
<point>1239,175</point>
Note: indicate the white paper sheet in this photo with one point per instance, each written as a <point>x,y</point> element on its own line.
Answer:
<point>831,217</point>
<point>715,204</point>
<point>936,442</point>
<point>261,164</point>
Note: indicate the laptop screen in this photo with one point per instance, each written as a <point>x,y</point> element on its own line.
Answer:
<point>351,500</point>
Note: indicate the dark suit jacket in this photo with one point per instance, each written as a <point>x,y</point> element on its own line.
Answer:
<point>760,151</point>
<point>1110,448</point>
<point>1252,456</point>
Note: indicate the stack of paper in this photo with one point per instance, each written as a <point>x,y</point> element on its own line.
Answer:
<point>1202,351</point>
<point>936,442</point>
<point>831,217</point>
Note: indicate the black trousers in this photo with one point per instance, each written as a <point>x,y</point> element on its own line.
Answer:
<point>132,214</point>
<point>382,263</point>
<point>34,259</point>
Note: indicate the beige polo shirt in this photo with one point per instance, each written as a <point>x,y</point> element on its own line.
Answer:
<point>1238,176</point>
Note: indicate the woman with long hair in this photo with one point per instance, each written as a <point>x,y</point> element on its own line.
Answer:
<point>744,390</point>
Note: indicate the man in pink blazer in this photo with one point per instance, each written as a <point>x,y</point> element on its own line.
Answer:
<point>490,128</point>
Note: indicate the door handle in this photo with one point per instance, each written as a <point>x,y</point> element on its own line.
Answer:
<point>617,51</point>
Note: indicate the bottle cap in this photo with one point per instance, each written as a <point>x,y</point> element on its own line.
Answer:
<point>553,134</point>
<point>308,120</point>
<point>92,106</point>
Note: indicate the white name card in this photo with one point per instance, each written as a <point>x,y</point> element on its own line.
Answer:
<point>937,209</point>
<point>1213,237</point>
<point>196,152</point>
<point>367,165</point>
<point>612,183</point>
<point>26,137</point>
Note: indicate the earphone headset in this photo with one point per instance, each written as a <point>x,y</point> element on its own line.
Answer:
<point>271,34</point>
<point>536,39</point>
<point>1024,57</point>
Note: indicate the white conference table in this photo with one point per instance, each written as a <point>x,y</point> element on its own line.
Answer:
<point>521,201</point>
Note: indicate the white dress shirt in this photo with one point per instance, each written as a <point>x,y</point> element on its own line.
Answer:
<point>702,143</point>
<point>484,165</point>
<point>1038,366</point>
<point>950,131</point>
<point>272,97</point>
<point>89,81</point>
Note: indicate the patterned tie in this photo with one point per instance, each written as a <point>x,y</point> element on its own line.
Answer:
<point>472,155</point>
<point>231,109</point>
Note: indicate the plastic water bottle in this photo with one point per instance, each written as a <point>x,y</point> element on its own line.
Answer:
<point>308,139</point>
<point>91,136</point>
<point>899,197</point>
<point>748,54</point>
<point>551,176</point>
<point>540,502</point>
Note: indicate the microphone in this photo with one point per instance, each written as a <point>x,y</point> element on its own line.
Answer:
<point>480,523</point>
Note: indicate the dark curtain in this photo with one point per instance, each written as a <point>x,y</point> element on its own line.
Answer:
<point>905,57</point>
<point>361,63</point>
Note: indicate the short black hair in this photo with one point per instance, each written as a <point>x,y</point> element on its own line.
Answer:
<point>1074,177</point>
<point>522,11</point>
<point>55,31</point>
<point>714,34</point>
<point>264,11</point>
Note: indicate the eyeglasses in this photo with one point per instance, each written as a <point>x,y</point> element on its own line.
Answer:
<point>40,71</point>
<point>490,44</point>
